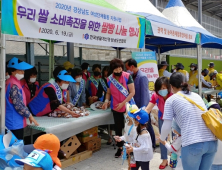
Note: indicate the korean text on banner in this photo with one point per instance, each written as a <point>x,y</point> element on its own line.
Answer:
<point>167,31</point>
<point>72,21</point>
<point>147,63</point>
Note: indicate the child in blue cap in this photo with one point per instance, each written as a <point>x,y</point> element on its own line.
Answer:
<point>142,149</point>
<point>37,160</point>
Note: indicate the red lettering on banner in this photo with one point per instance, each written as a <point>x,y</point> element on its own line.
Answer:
<point>134,32</point>
<point>122,30</point>
<point>108,27</point>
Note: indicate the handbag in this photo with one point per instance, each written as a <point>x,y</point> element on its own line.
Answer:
<point>212,118</point>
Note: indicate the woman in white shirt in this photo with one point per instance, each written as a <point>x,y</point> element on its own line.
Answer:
<point>199,145</point>
<point>142,149</point>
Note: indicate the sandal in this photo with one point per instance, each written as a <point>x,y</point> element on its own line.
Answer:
<point>163,167</point>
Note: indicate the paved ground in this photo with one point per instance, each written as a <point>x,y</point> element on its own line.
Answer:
<point>104,160</point>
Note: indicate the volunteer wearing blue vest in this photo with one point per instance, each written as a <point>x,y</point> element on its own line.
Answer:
<point>53,94</point>
<point>92,84</point>
<point>102,89</point>
<point>29,84</point>
<point>77,90</point>
<point>15,99</point>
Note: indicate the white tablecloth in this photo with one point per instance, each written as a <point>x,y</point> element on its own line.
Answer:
<point>64,128</point>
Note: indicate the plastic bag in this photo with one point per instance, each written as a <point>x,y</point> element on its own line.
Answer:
<point>8,155</point>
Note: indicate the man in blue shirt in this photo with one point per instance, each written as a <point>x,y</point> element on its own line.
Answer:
<point>142,96</point>
<point>141,82</point>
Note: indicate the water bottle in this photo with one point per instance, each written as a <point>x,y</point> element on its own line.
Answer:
<point>132,161</point>
<point>173,160</point>
<point>130,108</point>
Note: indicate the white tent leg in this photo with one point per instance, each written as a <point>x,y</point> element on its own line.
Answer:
<point>2,81</point>
<point>199,62</point>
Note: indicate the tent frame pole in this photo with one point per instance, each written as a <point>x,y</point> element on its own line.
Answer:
<point>51,59</point>
<point>118,53</point>
<point>159,58</point>
<point>199,62</point>
<point>2,85</point>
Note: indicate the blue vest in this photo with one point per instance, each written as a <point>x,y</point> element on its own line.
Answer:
<point>13,120</point>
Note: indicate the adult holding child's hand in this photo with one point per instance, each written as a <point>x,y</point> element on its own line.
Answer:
<point>120,90</point>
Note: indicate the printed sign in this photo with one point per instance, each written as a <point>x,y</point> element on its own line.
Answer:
<point>72,21</point>
<point>147,63</point>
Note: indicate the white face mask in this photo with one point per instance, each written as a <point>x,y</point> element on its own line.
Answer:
<point>64,86</point>
<point>78,79</point>
<point>32,80</point>
<point>7,77</point>
<point>128,71</point>
<point>19,76</point>
<point>192,69</point>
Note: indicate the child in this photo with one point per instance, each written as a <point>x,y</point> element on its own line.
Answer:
<point>129,130</point>
<point>142,148</point>
<point>37,160</point>
<point>175,147</point>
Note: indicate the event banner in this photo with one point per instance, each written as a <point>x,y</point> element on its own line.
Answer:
<point>176,33</point>
<point>147,63</point>
<point>72,21</point>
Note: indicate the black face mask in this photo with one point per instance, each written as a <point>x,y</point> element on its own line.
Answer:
<point>96,73</point>
<point>118,74</point>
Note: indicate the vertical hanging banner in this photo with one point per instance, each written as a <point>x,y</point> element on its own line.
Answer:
<point>147,63</point>
<point>72,21</point>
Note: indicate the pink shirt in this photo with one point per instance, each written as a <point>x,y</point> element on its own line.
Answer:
<point>159,100</point>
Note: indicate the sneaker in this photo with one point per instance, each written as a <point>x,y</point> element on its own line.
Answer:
<point>118,153</point>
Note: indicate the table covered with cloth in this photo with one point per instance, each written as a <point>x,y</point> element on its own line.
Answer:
<point>207,91</point>
<point>64,128</point>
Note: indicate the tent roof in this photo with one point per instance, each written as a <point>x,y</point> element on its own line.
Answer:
<point>182,18</point>
<point>145,9</point>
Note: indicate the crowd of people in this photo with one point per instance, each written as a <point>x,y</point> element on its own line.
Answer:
<point>120,90</point>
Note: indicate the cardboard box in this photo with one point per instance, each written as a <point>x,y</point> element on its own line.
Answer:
<point>88,135</point>
<point>70,146</point>
<point>93,145</point>
<point>76,158</point>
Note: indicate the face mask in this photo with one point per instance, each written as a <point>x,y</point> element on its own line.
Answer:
<point>128,71</point>
<point>19,76</point>
<point>32,80</point>
<point>7,77</point>
<point>96,73</point>
<point>192,69</point>
<point>78,79</point>
<point>88,68</point>
<point>163,92</point>
<point>64,86</point>
<point>118,74</point>
<point>214,78</point>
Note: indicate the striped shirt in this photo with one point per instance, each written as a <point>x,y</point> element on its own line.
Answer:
<point>188,117</point>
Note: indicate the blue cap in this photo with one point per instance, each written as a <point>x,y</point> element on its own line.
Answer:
<point>14,63</point>
<point>141,116</point>
<point>37,159</point>
<point>176,127</point>
<point>62,75</point>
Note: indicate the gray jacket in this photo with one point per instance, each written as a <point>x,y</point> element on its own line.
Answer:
<point>73,91</point>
